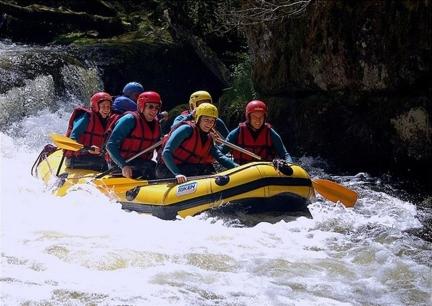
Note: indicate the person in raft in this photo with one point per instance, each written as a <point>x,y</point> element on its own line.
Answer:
<point>133,133</point>
<point>124,103</point>
<point>190,150</point>
<point>87,126</point>
<point>195,100</point>
<point>127,101</point>
<point>257,136</point>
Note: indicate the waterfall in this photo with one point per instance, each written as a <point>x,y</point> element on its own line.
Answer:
<point>35,78</point>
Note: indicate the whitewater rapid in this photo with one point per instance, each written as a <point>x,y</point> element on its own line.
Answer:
<point>83,249</point>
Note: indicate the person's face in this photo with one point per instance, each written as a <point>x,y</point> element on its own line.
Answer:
<point>105,108</point>
<point>151,110</point>
<point>206,123</point>
<point>257,119</point>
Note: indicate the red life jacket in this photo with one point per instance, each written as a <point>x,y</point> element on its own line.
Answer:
<point>262,145</point>
<point>114,117</point>
<point>94,133</point>
<point>167,136</point>
<point>140,138</point>
<point>193,150</point>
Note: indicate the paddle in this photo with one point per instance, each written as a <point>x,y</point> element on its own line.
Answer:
<point>240,149</point>
<point>335,192</point>
<point>235,147</point>
<point>152,147</point>
<point>123,184</point>
<point>330,190</point>
<point>65,143</point>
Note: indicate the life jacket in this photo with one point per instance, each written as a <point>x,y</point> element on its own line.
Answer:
<point>262,145</point>
<point>193,150</point>
<point>114,117</point>
<point>94,133</point>
<point>140,138</point>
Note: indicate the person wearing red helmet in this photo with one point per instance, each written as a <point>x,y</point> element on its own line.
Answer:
<point>133,133</point>
<point>87,126</point>
<point>257,136</point>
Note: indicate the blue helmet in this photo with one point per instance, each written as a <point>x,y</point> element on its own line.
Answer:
<point>124,104</point>
<point>132,88</point>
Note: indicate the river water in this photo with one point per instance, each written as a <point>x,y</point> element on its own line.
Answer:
<point>83,249</point>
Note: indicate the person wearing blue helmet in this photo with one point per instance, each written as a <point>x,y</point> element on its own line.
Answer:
<point>133,90</point>
<point>124,103</point>
<point>127,101</point>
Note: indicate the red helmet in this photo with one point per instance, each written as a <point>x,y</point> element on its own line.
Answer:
<point>148,97</point>
<point>255,106</point>
<point>98,98</point>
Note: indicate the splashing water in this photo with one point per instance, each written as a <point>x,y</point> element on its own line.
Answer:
<point>84,249</point>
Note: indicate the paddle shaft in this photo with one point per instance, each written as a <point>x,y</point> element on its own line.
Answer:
<point>235,147</point>
<point>240,149</point>
<point>152,147</point>
<point>121,184</point>
<point>61,163</point>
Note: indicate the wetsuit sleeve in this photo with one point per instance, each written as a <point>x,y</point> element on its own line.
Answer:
<point>174,141</point>
<point>221,127</point>
<point>232,137</point>
<point>221,158</point>
<point>122,129</point>
<point>179,119</point>
<point>279,146</point>
<point>79,126</point>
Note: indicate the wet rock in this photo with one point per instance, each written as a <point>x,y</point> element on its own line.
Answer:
<point>349,81</point>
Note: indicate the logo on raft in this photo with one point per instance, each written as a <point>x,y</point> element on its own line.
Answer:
<point>187,188</point>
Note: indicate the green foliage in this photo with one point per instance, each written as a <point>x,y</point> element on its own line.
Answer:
<point>234,99</point>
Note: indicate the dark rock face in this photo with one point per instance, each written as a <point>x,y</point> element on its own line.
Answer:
<point>345,45</point>
<point>353,77</point>
<point>167,68</point>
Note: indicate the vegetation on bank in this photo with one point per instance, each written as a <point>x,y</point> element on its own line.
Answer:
<point>234,99</point>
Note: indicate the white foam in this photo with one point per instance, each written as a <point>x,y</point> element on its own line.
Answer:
<point>83,248</point>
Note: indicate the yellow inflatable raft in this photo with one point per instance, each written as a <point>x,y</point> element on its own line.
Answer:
<point>254,187</point>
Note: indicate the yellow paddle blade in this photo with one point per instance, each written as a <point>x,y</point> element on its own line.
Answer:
<point>119,184</point>
<point>65,143</point>
<point>123,184</point>
<point>335,192</point>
